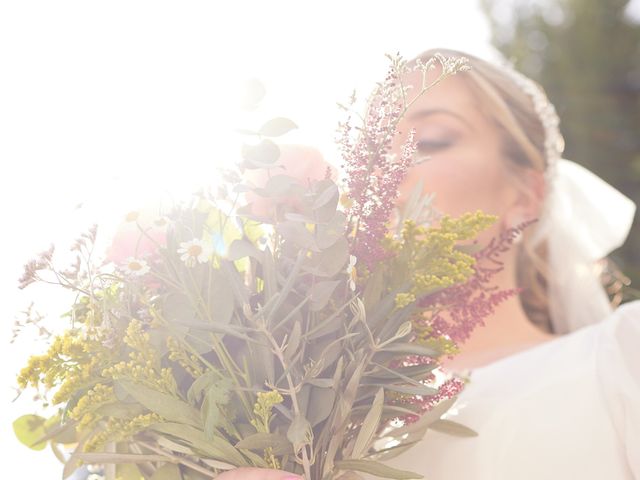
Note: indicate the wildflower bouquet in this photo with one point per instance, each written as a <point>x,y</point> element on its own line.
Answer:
<point>286,330</point>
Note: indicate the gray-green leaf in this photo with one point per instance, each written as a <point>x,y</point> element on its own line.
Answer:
<point>299,432</point>
<point>167,406</point>
<point>369,426</point>
<point>277,127</point>
<point>376,468</point>
<point>453,428</point>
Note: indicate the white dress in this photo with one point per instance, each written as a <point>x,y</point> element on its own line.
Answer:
<point>565,409</point>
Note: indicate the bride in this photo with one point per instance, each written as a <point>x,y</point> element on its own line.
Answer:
<point>554,373</point>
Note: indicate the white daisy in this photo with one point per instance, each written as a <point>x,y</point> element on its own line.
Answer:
<point>351,271</point>
<point>135,267</point>
<point>194,251</point>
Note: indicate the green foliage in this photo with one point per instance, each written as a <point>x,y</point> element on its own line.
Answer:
<point>250,340</point>
<point>29,429</point>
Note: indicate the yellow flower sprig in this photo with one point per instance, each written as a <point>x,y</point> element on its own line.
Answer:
<point>190,362</point>
<point>432,255</point>
<point>73,362</point>
<point>144,364</point>
<point>118,429</point>
<point>84,411</point>
<point>263,409</point>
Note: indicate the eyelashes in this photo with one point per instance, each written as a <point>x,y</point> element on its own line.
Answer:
<point>431,145</point>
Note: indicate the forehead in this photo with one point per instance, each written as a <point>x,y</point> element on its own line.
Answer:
<point>451,93</point>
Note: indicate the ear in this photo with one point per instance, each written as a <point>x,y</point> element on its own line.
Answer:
<point>531,189</point>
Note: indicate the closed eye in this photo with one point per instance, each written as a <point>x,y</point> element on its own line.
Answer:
<point>424,145</point>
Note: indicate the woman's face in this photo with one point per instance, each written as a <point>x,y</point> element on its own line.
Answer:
<point>465,168</point>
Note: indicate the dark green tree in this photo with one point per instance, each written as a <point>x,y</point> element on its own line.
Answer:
<point>586,54</point>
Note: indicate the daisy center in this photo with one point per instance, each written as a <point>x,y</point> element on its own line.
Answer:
<point>194,250</point>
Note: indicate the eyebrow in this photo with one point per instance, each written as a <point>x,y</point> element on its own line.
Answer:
<point>435,111</point>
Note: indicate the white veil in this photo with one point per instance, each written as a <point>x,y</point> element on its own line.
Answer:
<point>583,220</point>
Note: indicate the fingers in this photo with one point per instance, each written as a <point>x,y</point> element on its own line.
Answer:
<point>257,474</point>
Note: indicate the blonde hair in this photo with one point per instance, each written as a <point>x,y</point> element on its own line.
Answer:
<point>513,112</point>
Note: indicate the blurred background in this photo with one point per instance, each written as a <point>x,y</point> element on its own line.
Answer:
<point>103,105</point>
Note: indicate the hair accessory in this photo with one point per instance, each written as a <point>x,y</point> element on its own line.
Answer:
<point>583,220</point>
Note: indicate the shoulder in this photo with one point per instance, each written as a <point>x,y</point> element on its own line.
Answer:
<point>618,367</point>
<point>621,338</point>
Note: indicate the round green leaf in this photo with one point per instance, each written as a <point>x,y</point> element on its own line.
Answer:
<point>262,155</point>
<point>277,127</point>
<point>29,429</point>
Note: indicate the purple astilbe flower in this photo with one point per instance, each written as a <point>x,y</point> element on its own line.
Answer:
<point>461,308</point>
<point>373,175</point>
<point>449,388</point>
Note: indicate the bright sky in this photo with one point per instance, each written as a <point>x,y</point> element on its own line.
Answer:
<point>108,103</point>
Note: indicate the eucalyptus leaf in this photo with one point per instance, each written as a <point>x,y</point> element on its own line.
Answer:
<point>277,127</point>
<point>297,234</point>
<point>277,186</point>
<point>263,155</point>
<point>299,432</point>
<point>325,204</point>
<point>321,402</point>
<point>321,293</point>
<point>29,429</point>
<point>243,248</point>
<point>329,195</point>
<point>331,260</point>
<point>330,232</point>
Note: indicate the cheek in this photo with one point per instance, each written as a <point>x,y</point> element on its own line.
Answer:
<point>462,182</point>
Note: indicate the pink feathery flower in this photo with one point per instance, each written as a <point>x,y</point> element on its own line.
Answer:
<point>464,307</point>
<point>449,389</point>
<point>373,175</point>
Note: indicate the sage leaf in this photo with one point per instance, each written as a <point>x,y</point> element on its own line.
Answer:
<point>369,426</point>
<point>165,405</point>
<point>376,468</point>
<point>453,428</point>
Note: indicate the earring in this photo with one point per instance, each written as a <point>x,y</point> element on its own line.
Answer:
<point>516,233</point>
<point>517,238</point>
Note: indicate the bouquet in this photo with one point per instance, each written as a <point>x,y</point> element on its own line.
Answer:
<point>271,321</point>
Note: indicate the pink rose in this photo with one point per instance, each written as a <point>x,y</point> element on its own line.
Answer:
<point>304,163</point>
<point>130,241</point>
